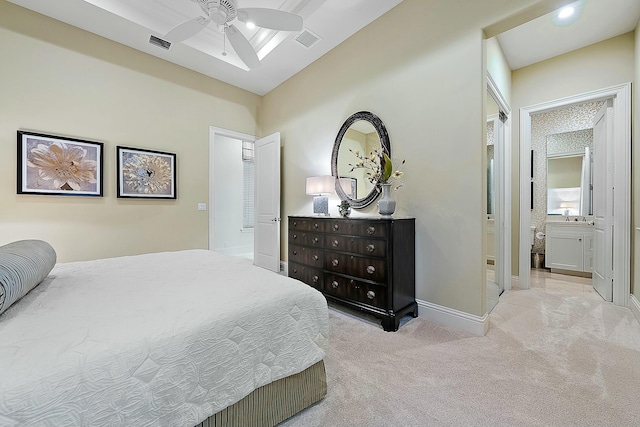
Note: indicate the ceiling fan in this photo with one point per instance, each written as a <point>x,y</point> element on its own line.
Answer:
<point>221,12</point>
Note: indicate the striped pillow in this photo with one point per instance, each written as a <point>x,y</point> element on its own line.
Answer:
<point>23,265</point>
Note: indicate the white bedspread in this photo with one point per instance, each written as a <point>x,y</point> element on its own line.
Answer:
<point>163,339</point>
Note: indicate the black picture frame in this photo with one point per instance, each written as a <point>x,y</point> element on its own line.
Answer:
<point>531,164</point>
<point>145,174</point>
<point>353,186</point>
<point>531,195</point>
<point>54,165</point>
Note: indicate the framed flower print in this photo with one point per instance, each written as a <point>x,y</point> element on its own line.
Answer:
<point>58,166</point>
<point>146,173</point>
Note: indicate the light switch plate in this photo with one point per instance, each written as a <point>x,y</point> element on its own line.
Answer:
<point>202,206</point>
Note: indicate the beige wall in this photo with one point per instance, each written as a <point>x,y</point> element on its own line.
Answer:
<point>601,65</point>
<point>419,68</point>
<point>498,68</point>
<point>58,79</point>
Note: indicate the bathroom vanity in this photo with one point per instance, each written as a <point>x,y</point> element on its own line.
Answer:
<point>569,247</point>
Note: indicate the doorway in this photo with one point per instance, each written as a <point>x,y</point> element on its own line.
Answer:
<point>498,208</point>
<point>620,97</point>
<point>231,193</point>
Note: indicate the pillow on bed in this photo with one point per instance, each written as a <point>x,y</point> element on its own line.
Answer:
<point>23,265</point>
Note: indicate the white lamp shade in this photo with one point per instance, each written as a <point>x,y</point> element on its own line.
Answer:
<point>317,185</point>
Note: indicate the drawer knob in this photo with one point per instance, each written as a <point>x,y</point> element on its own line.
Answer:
<point>295,271</point>
<point>371,230</point>
<point>315,257</point>
<point>295,236</point>
<point>315,225</point>
<point>295,252</point>
<point>371,269</point>
<point>315,279</point>
<point>335,243</point>
<point>315,240</point>
<point>336,227</point>
<point>335,262</point>
<point>334,284</point>
<point>295,224</point>
<point>371,248</point>
<point>371,295</point>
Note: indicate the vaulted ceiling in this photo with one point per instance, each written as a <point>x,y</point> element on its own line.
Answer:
<point>283,53</point>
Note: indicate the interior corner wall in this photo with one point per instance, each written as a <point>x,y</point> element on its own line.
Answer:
<point>58,79</point>
<point>635,160</point>
<point>420,68</point>
<point>498,68</point>
<point>604,64</point>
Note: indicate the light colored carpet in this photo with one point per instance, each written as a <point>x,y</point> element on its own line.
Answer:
<point>555,355</point>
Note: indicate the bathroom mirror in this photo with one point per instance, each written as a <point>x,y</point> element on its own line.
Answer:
<point>362,132</point>
<point>569,160</point>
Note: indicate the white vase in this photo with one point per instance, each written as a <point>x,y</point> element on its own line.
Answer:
<point>386,204</point>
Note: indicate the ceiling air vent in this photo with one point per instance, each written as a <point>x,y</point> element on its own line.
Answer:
<point>306,38</point>
<point>156,41</point>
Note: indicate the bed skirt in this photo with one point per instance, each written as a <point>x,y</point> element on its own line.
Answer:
<point>275,402</point>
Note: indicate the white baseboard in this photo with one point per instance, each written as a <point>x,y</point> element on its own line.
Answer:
<point>634,305</point>
<point>448,317</point>
<point>454,319</point>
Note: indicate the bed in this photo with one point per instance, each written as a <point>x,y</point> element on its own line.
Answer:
<point>188,338</point>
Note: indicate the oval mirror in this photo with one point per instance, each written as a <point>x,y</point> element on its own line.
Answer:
<point>362,133</point>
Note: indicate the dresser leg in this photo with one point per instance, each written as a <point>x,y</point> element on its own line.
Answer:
<point>414,313</point>
<point>390,323</point>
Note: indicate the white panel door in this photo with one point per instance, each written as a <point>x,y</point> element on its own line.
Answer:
<point>603,170</point>
<point>266,247</point>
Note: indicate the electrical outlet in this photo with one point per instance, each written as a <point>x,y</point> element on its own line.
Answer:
<point>202,206</point>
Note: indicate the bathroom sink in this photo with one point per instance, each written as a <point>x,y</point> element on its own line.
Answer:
<point>570,223</point>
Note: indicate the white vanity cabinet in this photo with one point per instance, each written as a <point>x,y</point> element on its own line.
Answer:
<point>569,246</point>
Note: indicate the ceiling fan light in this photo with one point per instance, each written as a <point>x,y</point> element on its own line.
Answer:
<point>250,25</point>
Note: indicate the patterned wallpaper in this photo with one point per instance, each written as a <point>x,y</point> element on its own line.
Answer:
<point>545,127</point>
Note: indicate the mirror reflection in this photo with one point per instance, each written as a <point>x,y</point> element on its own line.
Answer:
<point>569,161</point>
<point>361,137</point>
<point>492,115</point>
<point>361,134</point>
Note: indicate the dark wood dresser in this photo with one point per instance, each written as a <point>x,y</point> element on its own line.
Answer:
<point>364,263</point>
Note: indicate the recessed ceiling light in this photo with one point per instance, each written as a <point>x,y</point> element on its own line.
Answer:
<point>566,12</point>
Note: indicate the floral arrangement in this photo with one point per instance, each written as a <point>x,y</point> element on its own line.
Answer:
<point>379,168</point>
<point>64,167</point>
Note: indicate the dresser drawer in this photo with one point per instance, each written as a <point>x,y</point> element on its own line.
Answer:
<point>308,275</point>
<point>357,228</point>
<point>369,247</point>
<point>307,238</point>
<point>306,224</point>
<point>365,293</point>
<point>365,268</point>
<point>308,256</point>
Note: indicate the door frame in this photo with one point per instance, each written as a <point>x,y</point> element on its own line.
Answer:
<point>213,132</point>
<point>621,95</point>
<point>502,155</point>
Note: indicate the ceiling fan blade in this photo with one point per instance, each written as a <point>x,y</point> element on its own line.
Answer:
<point>271,18</point>
<point>242,47</point>
<point>187,29</point>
